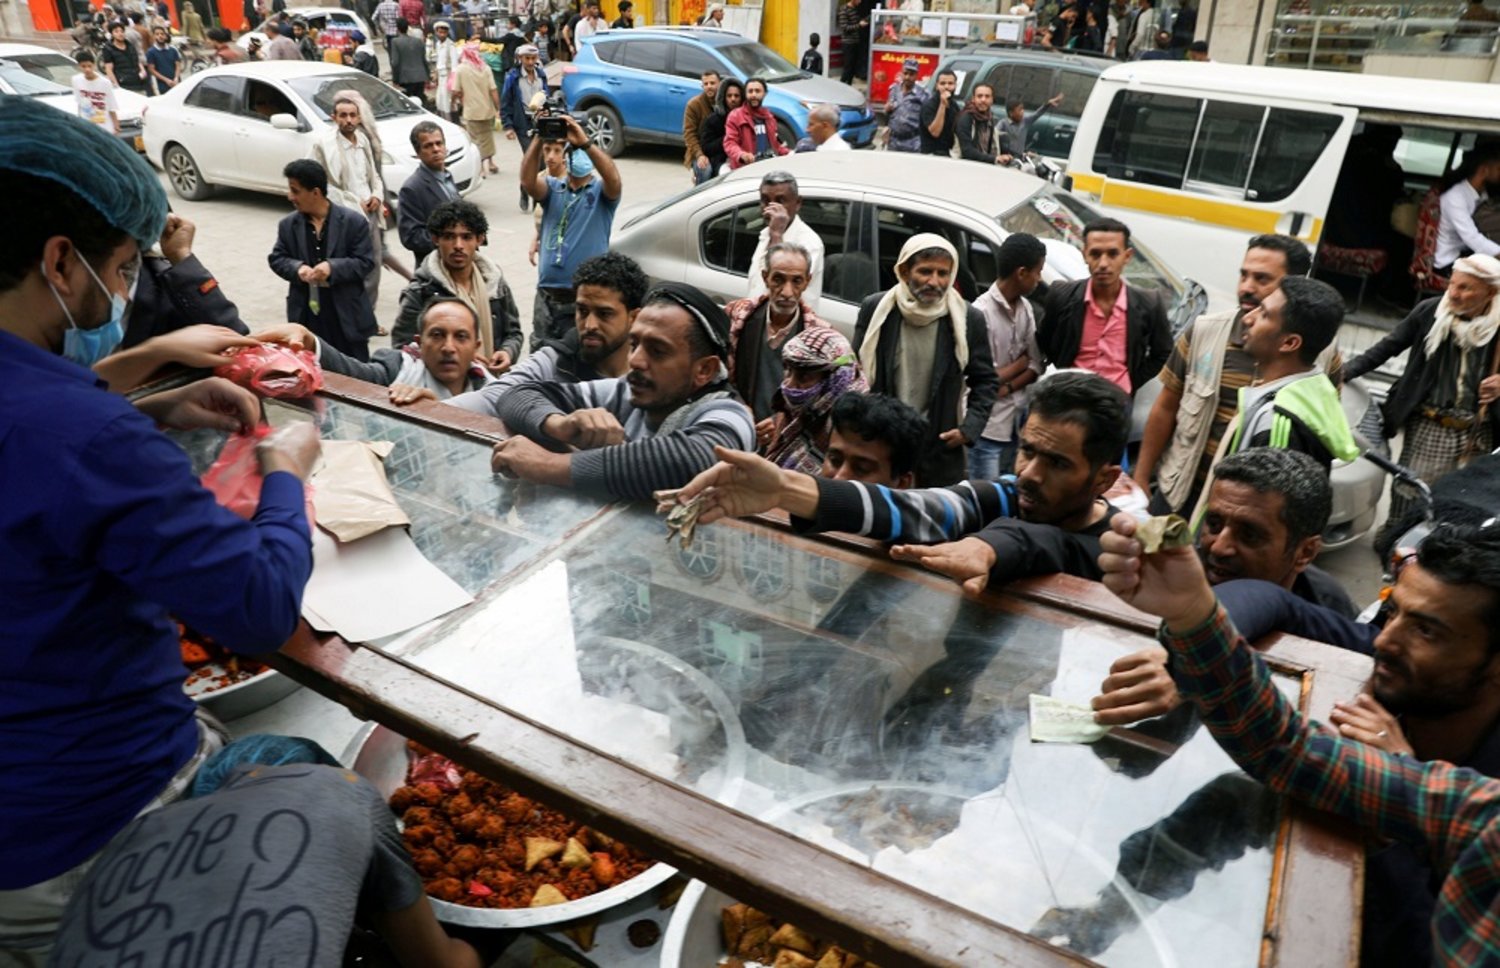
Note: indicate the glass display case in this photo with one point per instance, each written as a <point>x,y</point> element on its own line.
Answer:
<point>826,734</point>
<point>1337,36</point>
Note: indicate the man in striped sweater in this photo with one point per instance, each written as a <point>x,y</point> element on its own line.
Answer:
<point>1044,520</point>
<point>656,427</point>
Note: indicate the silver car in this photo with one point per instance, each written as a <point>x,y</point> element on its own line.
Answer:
<point>865,207</point>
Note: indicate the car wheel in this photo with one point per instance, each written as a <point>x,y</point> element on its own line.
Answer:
<point>183,173</point>
<point>784,134</point>
<point>603,127</point>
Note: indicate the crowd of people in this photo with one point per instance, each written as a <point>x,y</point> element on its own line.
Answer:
<point>986,436</point>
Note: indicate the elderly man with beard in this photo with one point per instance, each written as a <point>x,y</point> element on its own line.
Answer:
<point>760,326</point>
<point>1046,519</point>
<point>438,365</point>
<point>1434,695</point>
<point>610,290</point>
<point>654,428</point>
<point>458,270</point>
<point>921,343</point>
<point>781,210</point>
<point>1201,380</point>
<point>1441,402</point>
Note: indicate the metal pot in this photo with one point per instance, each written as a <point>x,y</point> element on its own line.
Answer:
<point>380,756</point>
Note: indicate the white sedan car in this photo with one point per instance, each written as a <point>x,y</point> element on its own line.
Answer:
<point>50,66</point>
<point>240,124</point>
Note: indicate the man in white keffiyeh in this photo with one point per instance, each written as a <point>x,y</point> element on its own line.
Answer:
<point>929,366</point>
<point>1442,402</point>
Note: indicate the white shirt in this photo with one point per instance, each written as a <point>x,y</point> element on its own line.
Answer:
<point>799,233</point>
<point>1456,229</point>
<point>835,142</point>
<point>95,99</point>
<point>1012,333</point>
<point>587,28</point>
<point>356,166</point>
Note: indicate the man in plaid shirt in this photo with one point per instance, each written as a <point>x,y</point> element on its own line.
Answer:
<point>1450,813</point>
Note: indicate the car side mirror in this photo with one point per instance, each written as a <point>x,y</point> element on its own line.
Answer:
<point>416,101</point>
<point>285,122</point>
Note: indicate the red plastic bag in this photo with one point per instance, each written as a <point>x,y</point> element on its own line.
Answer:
<point>274,370</point>
<point>234,478</point>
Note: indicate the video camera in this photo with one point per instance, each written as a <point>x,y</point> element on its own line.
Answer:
<point>551,123</point>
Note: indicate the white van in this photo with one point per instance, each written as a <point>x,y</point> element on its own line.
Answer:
<point>1199,156</point>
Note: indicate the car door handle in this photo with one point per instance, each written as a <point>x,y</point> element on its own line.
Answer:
<point>613,81</point>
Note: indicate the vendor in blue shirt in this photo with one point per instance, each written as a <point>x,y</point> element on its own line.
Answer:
<point>105,532</point>
<point>577,215</point>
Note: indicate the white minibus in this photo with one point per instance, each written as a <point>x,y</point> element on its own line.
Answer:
<point>1199,156</point>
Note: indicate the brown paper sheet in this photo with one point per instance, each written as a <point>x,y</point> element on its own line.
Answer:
<point>350,493</point>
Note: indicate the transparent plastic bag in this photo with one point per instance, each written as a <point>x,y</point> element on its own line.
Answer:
<point>274,370</point>
<point>234,478</point>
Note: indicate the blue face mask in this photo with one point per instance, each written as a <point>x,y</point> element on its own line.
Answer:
<point>88,346</point>
<point>580,165</point>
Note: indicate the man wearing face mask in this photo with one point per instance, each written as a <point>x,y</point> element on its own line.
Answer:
<point>577,214</point>
<point>105,532</point>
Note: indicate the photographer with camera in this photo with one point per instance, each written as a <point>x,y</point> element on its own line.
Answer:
<point>578,211</point>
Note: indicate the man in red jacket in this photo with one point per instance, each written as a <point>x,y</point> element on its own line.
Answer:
<point>750,129</point>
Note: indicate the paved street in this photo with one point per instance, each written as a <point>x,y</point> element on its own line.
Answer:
<point>237,228</point>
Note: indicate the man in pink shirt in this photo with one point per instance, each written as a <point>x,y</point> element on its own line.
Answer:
<point>1101,324</point>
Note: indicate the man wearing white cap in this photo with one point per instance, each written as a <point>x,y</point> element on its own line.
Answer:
<point>523,83</point>
<point>1441,403</point>
<point>444,63</point>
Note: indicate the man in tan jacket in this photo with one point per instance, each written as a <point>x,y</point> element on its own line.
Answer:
<point>697,109</point>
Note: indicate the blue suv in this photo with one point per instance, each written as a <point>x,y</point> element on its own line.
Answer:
<point>635,84</point>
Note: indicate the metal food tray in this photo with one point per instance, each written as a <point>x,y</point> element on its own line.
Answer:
<point>380,756</point>
<point>242,698</point>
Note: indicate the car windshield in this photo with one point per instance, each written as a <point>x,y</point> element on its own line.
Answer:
<point>756,60</point>
<point>1058,218</point>
<point>17,81</point>
<point>319,90</point>
<point>53,67</point>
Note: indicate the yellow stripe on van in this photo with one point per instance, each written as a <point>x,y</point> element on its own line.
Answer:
<point>1184,206</point>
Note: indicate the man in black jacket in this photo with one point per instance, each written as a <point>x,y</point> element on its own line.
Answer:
<point>176,290</point>
<point>324,253</point>
<point>939,116</point>
<point>424,190</point>
<point>921,343</point>
<point>1102,324</point>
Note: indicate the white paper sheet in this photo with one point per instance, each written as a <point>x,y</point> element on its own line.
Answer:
<point>376,586</point>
